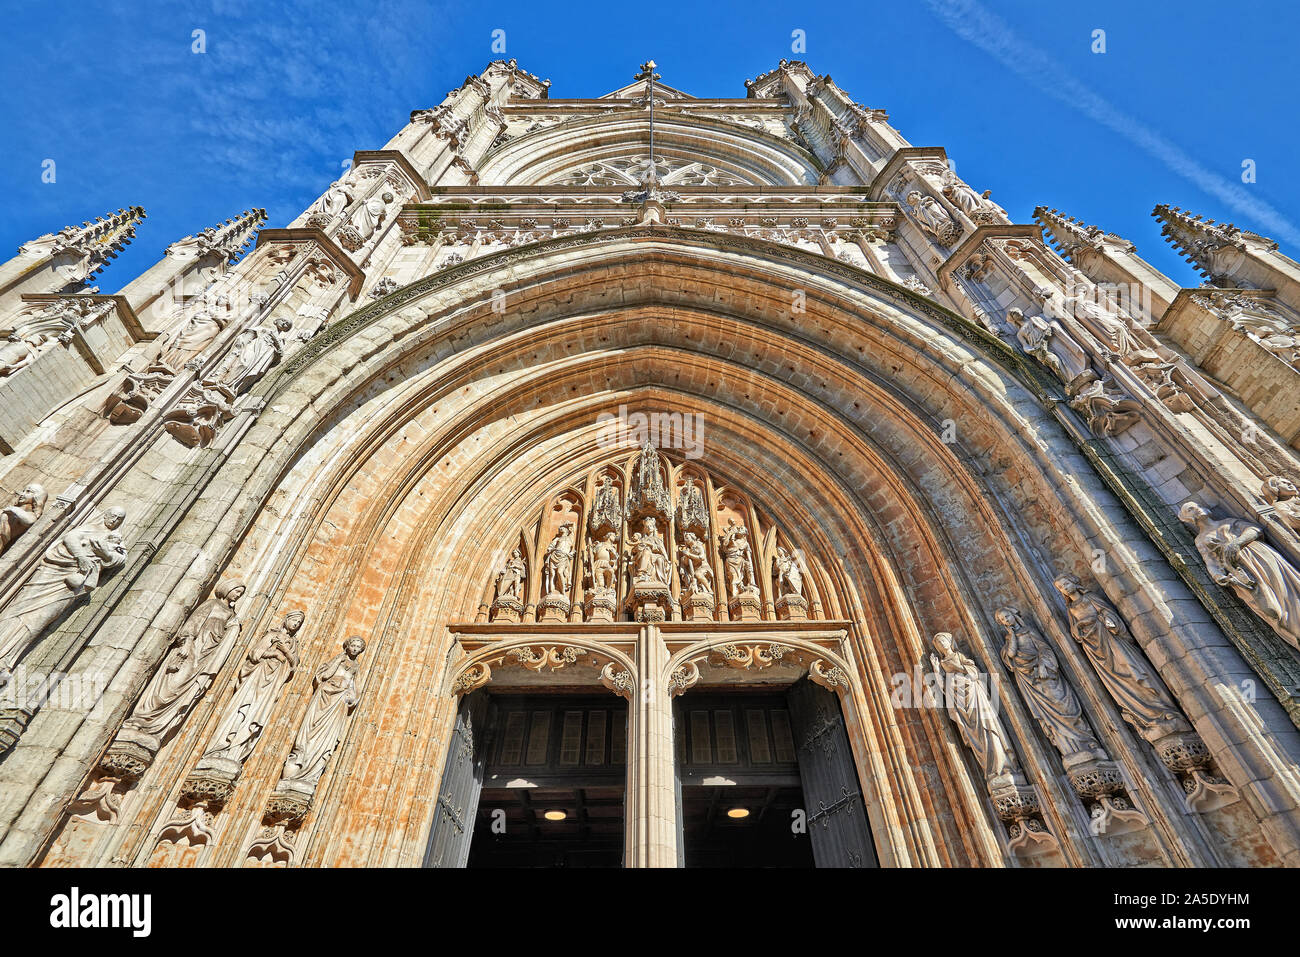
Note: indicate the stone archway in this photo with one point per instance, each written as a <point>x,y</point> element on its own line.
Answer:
<point>401,447</point>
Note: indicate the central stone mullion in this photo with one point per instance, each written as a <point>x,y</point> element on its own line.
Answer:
<point>651,839</point>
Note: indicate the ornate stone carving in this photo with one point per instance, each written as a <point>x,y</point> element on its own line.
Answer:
<point>696,568</point>
<point>1237,557</point>
<point>683,678</point>
<point>749,657</point>
<point>692,512</point>
<point>267,667</point>
<point>510,583</point>
<point>972,711</point>
<point>647,558</point>
<point>830,677</point>
<point>606,510</point>
<point>472,678</point>
<point>648,494</point>
<point>71,569</point>
<point>136,392</point>
<point>602,564</point>
<point>557,566</point>
<point>333,697</point>
<point>28,506</point>
<point>385,287</point>
<point>975,205</point>
<point>1278,490</point>
<point>43,324</point>
<point>81,251</point>
<point>738,559</point>
<point>198,651</point>
<point>253,354</point>
<point>540,657</point>
<point>1123,669</point>
<point>334,200</point>
<point>618,680</point>
<point>200,412</point>
<point>1049,696</point>
<point>933,218</point>
<point>1106,410</point>
<point>1159,376</point>
<point>1048,342</point>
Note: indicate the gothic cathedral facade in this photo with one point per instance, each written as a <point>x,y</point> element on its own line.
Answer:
<point>647,480</point>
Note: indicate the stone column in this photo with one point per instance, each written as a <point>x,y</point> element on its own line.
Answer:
<point>650,805</point>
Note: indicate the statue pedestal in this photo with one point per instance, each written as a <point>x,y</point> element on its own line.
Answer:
<point>289,803</point>
<point>130,754</point>
<point>601,605</point>
<point>507,609</point>
<point>553,608</point>
<point>697,607</point>
<point>650,601</point>
<point>745,607</point>
<point>1097,780</point>
<point>211,783</point>
<point>792,608</point>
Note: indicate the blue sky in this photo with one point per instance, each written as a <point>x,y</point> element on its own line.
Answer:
<point>286,91</point>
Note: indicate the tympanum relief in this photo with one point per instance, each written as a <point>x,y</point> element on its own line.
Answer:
<point>651,539</point>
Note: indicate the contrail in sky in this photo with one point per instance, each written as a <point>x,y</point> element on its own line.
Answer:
<point>973,23</point>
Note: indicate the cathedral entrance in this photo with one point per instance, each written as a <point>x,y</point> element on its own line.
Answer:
<point>544,786</point>
<point>767,780</point>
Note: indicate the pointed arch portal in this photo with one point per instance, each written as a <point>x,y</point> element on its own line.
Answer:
<point>897,471</point>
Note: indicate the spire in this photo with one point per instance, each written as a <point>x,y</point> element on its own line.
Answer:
<point>97,243</point>
<point>1068,235</point>
<point>1197,238</point>
<point>226,240</point>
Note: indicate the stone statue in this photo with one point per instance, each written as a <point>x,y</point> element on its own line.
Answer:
<point>18,352</point>
<point>1048,342</point>
<point>789,576</point>
<point>1280,492</point>
<point>1237,557</point>
<point>1106,410</point>
<point>370,215</point>
<point>978,207</point>
<point>738,558</point>
<point>255,351</point>
<point>1049,696</point>
<point>971,709</point>
<point>269,664</point>
<point>1127,675</point>
<point>195,335</point>
<point>197,653</point>
<point>1113,327</point>
<point>648,556</point>
<point>200,412</point>
<point>932,217</point>
<point>602,560</point>
<point>71,567</point>
<point>333,699</point>
<point>557,564</point>
<point>15,519</point>
<point>697,573</point>
<point>510,580</point>
<point>334,201</point>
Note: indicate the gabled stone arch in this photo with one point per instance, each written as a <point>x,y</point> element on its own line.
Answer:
<point>396,452</point>
<point>750,156</point>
